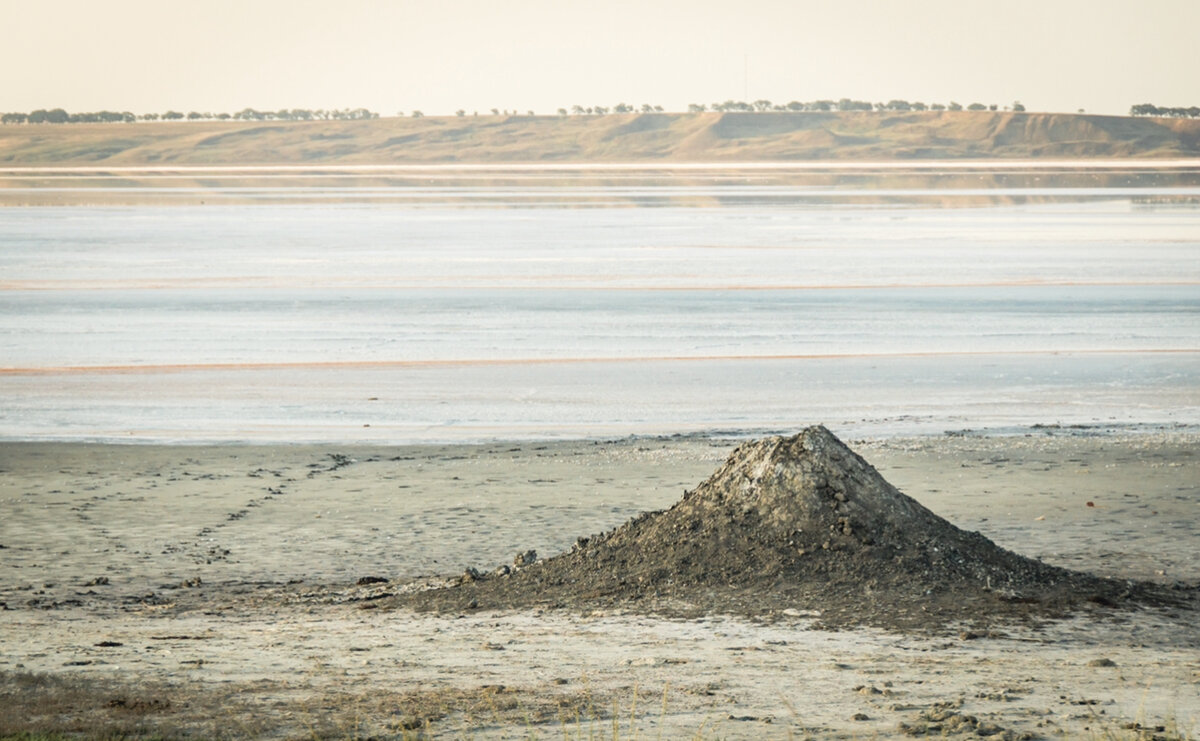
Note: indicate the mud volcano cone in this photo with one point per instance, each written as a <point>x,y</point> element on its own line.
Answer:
<point>792,524</point>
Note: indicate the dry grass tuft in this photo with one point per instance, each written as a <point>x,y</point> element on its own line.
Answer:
<point>39,707</point>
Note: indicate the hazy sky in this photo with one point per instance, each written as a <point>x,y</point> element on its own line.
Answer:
<point>441,55</point>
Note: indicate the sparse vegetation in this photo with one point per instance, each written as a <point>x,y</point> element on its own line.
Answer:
<point>1149,109</point>
<point>822,106</point>
<point>38,707</point>
<point>60,116</point>
<point>41,707</point>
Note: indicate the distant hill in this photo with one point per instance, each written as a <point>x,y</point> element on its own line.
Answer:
<point>667,137</point>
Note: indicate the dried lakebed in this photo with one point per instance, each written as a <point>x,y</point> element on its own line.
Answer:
<point>204,634</point>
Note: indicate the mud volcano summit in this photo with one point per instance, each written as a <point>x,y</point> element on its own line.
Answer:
<point>796,524</point>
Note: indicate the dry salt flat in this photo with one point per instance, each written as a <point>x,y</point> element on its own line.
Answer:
<point>229,575</point>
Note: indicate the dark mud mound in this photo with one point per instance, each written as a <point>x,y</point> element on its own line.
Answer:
<point>795,524</point>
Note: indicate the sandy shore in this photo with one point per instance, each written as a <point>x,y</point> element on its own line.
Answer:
<point>144,586</point>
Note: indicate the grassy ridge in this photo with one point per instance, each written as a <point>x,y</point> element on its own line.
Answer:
<point>668,137</point>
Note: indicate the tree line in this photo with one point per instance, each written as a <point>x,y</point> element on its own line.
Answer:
<point>1149,109</point>
<point>844,104</point>
<point>59,116</point>
<point>764,106</point>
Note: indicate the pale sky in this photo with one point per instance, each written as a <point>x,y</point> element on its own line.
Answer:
<point>441,55</point>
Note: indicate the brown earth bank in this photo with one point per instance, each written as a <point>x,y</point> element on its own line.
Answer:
<point>657,137</point>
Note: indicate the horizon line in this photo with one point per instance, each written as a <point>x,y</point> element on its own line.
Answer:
<point>150,368</point>
<point>222,283</point>
<point>951,164</point>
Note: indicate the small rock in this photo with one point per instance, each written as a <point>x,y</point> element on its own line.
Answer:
<point>99,581</point>
<point>861,716</point>
<point>525,559</point>
<point>1102,662</point>
<point>365,580</point>
<point>653,661</point>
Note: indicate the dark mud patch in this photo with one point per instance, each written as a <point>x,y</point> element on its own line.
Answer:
<point>799,526</point>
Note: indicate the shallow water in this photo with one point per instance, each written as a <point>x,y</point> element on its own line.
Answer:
<point>470,306</point>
